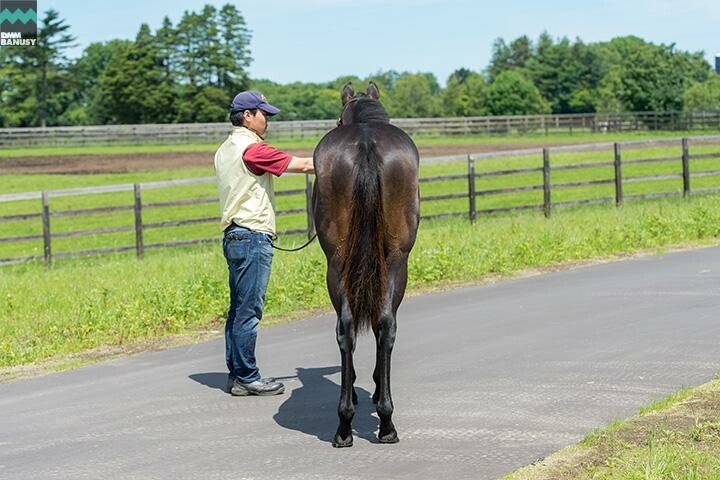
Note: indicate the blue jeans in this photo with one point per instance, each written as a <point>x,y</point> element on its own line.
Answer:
<point>249,258</point>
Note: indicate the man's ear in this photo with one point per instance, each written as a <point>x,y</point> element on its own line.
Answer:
<point>347,93</point>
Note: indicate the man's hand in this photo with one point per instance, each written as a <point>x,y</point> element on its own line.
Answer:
<point>301,165</point>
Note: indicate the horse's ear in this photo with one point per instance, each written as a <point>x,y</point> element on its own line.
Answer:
<point>373,91</point>
<point>347,93</point>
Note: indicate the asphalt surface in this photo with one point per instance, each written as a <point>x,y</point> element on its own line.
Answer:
<point>485,380</point>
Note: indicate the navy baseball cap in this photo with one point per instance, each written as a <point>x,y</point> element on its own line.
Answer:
<point>250,100</point>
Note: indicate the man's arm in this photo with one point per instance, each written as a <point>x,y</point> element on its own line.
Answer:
<point>301,165</point>
<point>261,158</point>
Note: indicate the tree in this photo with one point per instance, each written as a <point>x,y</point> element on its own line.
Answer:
<point>236,56</point>
<point>201,104</point>
<point>166,38</point>
<point>703,96</point>
<point>38,76</point>
<point>654,78</point>
<point>507,57</point>
<point>188,49</point>
<point>582,101</point>
<point>209,60</point>
<point>460,75</point>
<point>609,93</point>
<point>51,65</point>
<point>385,81</point>
<point>413,97</point>
<point>585,71</point>
<point>565,73</point>
<point>513,94</point>
<point>134,86</point>
<point>16,90</point>
<point>86,73</point>
<point>619,48</point>
<point>209,48</point>
<point>326,104</point>
<point>189,72</point>
<point>465,95</point>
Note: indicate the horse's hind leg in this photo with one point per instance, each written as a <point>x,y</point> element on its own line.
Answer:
<point>346,408</point>
<point>385,336</point>
<point>385,341</point>
<point>345,332</point>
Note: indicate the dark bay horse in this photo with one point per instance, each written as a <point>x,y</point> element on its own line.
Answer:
<point>366,205</point>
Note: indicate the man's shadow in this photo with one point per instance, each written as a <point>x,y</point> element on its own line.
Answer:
<point>312,408</point>
<point>219,380</point>
<point>212,379</point>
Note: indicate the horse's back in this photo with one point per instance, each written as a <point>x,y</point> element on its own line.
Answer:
<point>339,148</point>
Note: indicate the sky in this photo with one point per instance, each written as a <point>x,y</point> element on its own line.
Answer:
<point>320,40</point>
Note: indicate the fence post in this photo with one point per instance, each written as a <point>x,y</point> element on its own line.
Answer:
<point>472,212</point>
<point>309,207</point>
<point>685,167</point>
<point>618,176</point>
<point>546,182</point>
<point>46,229</point>
<point>139,244</point>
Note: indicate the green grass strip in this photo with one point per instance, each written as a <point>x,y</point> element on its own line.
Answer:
<point>676,438</point>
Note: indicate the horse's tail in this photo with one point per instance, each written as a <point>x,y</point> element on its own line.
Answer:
<point>364,269</point>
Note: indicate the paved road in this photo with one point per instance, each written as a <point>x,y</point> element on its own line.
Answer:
<point>485,379</point>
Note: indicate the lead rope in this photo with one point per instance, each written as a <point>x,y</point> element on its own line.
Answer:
<point>298,248</point>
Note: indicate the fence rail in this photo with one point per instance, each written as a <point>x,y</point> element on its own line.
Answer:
<point>495,125</point>
<point>139,207</point>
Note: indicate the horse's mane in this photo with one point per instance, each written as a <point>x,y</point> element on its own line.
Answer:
<point>368,110</point>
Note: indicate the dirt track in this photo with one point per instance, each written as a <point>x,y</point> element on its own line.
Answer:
<point>167,161</point>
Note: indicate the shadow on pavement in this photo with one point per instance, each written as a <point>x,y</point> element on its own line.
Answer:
<point>312,408</point>
<point>219,379</point>
<point>212,379</point>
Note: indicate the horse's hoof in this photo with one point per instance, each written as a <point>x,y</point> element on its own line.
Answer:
<point>391,437</point>
<point>342,443</point>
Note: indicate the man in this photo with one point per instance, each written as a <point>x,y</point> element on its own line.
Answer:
<point>245,166</point>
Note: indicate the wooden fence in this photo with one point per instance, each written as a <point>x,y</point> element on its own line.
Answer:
<point>544,166</point>
<point>139,227</point>
<point>547,186</point>
<point>500,125</point>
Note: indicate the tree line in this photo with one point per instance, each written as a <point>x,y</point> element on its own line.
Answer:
<point>188,72</point>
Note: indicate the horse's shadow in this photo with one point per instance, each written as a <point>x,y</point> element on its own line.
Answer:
<point>312,408</point>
